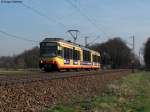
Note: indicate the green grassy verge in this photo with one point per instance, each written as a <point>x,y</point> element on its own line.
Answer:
<point>130,94</point>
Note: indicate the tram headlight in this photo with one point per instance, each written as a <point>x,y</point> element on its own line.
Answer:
<point>41,61</point>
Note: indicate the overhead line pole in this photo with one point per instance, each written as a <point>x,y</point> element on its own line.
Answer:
<point>86,43</point>
<point>133,50</point>
<point>133,43</point>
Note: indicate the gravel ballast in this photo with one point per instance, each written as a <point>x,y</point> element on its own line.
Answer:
<point>38,96</point>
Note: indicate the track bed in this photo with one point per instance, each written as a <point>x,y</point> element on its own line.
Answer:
<point>17,77</point>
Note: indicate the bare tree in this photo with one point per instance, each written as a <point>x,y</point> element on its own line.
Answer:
<point>147,53</point>
<point>114,52</point>
<point>27,59</point>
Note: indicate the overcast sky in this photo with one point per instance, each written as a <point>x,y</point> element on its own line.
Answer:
<point>37,19</point>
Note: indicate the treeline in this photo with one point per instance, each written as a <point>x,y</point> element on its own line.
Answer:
<point>116,54</point>
<point>27,59</point>
<point>147,54</point>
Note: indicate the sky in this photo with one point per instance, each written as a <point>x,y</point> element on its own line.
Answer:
<point>25,23</point>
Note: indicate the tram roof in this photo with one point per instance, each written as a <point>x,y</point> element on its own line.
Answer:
<point>69,42</point>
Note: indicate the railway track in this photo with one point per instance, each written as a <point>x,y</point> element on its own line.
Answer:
<point>6,80</point>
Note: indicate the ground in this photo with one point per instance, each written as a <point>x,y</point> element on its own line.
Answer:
<point>40,95</point>
<point>130,94</point>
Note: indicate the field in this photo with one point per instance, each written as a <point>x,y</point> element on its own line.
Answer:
<point>130,94</point>
<point>31,94</point>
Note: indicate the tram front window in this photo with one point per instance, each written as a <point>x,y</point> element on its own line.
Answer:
<point>48,49</point>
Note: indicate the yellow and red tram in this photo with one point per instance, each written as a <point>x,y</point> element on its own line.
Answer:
<point>58,54</point>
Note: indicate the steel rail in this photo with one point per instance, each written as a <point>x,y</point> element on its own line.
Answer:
<point>5,81</point>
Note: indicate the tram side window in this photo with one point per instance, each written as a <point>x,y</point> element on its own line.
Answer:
<point>99,59</point>
<point>59,52</point>
<point>93,58</point>
<point>75,55</point>
<point>66,56</point>
<point>70,53</point>
<point>86,55</point>
<point>78,55</point>
<point>67,53</point>
<point>89,56</point>
<point>96,58</point>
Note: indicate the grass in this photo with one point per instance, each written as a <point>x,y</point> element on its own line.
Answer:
<point>130,94</point>
<point>18,72</point>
